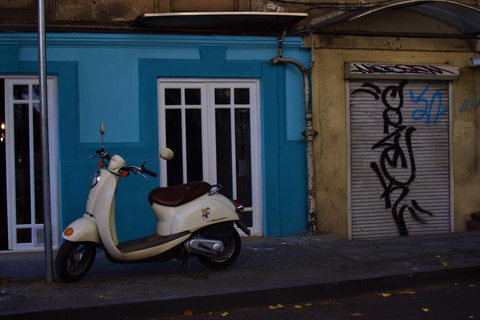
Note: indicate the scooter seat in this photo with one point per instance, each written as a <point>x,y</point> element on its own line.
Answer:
<point>178,195</point>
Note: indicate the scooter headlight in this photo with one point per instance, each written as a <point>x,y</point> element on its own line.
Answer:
<point>94,179</point>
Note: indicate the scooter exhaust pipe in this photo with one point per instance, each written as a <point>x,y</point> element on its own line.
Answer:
<point>205,247</point>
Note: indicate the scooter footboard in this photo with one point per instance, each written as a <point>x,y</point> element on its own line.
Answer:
<point>81,230</point>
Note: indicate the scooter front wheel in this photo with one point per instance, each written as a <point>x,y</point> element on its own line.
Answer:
<point>227,257</point>
<point>74,260</point>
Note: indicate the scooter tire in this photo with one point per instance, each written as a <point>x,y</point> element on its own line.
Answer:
<point>74,260</point>
<point>228,257</point>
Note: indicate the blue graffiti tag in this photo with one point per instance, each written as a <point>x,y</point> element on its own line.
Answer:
<point>471,101</point>
<point>418,114</point>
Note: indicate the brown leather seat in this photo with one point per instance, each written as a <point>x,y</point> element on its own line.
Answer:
<point>178,195</point>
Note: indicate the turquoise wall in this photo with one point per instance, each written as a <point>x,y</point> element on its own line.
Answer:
<point>113,78</point>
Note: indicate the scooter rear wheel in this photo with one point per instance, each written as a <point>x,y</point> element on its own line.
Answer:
<point>74,260</point>
<point>228,256</point>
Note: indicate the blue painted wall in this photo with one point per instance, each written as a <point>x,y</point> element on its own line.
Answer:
<point>113,78</point>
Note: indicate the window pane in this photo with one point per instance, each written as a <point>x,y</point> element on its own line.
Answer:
<point>24,236</point>
<point>36,92</point>
<point>173,97</point>
<point>243,154</point>
<point>194,144</point>
<point>3,175</point>
<point>20,92</point>
<point>173,122</point>
<point>222,96</point>
<point>193,97</point>
<point>22,163</point>
<point>224,153</point>
<point>37,164</point>
<point>242,96</point>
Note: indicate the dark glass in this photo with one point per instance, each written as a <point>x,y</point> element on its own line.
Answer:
<point>24,236</point>
<point>193,119</point>
<point>3,176</point>
<point>22,163</point>
<point>193,97</point>
<point>243,156</point>
<point>173,97</point>
<point>224,154</point>
<point>36,92</point>
<point>173,122</point>
<point>242,95</point>
<point>247,218</point>
<point>37,164</point>
<point>20,92</point>
<point>222,96</point>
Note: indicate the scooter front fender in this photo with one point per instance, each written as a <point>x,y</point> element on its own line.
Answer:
<point>82,230</point>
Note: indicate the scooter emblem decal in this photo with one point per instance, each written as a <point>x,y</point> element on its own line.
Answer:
<point>205,213</point>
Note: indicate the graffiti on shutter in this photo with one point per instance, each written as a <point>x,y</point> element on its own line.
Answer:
<point>400,173</point>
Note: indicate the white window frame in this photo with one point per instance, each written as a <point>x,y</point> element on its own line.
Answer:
<point>208,123</point>
<point>11,80</point>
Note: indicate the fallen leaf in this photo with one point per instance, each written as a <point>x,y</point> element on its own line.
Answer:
<point>407,292</point>
<point>326,303</point>
<point>445,264</point>
<point>273,307</point>
<point>470,317</point>
<point>280,306</point>
<point>472,285</point>
<point>425,309</point>
<point>438,256</point>
<point>308,304</point>
<point>385,295</point>
<point>356,314</point>
<point>102,296</point>
<point>224,314</point>
<point>298,306</point>
<point>187,313</point>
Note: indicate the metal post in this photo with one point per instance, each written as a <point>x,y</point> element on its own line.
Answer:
<point>47,218</point>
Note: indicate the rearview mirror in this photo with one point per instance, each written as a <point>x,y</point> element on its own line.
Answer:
<point>166,153</point>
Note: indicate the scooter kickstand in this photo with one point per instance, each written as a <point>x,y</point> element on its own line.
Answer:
<point>185,263</point>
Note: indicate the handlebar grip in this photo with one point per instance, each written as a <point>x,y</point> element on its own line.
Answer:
<point>150,173</point>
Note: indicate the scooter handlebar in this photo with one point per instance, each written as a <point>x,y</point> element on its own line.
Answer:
<point>150,173</point>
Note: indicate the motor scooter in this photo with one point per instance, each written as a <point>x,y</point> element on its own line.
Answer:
<point>193,220</point>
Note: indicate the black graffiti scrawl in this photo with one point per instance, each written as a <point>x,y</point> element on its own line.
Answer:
<point>393,156</point>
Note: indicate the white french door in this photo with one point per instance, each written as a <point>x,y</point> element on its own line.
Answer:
<point>22,230</point>
<point>213,128</point>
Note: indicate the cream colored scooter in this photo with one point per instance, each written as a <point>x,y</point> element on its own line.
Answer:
<point>193,220</point>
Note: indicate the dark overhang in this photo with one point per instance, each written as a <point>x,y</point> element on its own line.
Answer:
<point>463,17</point>
<point>238,22</point>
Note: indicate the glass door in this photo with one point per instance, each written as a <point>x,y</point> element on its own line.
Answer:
<point>212,128</point>
<point>23,162</point>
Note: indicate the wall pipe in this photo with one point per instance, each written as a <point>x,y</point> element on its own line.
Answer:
<point>309,132</point>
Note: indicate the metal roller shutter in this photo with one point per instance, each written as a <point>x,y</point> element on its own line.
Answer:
<point>400,172</point>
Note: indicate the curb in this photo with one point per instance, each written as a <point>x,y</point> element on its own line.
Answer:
<point>234,300</point>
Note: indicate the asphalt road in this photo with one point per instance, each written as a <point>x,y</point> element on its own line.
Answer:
<point>454,301</point>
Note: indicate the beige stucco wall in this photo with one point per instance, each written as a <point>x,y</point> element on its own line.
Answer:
<point>330,119</point>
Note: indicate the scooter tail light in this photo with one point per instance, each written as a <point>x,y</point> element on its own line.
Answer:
<point>239,205</point>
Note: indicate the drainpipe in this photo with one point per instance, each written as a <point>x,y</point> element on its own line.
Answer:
<point>309,132</point>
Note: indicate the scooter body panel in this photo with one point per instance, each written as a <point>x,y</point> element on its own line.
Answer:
<point>202,212</point>
<point>101,200</point>
<point>83,230</point>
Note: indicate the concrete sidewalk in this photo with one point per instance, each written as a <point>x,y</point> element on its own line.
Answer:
<point>268,271</point>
